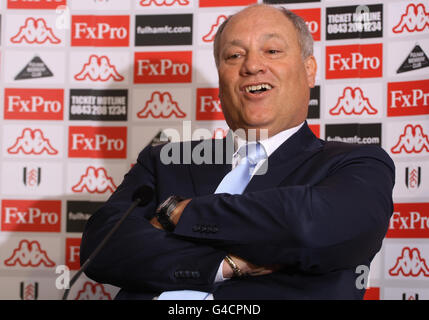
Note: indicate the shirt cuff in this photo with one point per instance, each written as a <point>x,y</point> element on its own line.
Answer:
<point>219,274</point>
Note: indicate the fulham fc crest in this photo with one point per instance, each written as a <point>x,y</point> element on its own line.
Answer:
<point>413,177</point>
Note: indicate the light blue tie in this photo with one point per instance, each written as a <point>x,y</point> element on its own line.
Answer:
<point>233,183</point>
<point>237,180</point>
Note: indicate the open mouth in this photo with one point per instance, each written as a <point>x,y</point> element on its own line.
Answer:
<point>258,89</point>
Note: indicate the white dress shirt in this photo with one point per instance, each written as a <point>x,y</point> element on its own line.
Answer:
<point>270,144</point>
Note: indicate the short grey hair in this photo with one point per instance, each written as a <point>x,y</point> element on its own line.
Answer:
<point>305,38</point>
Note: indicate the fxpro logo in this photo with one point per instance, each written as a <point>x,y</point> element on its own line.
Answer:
<point>354,61</point>
<point>407,98</point>
<point>208,104</point>
<point>97,142</point>
<point>409,220</point>
<point>224,3</point>
<point>163,67</point>
<point>100,31</point>
<point>35,4</point>
<point>312,20</point>
<point>31,215</point>
<point>33,104</point>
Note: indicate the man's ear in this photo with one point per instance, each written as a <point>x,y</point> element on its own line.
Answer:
<point>310,65</point>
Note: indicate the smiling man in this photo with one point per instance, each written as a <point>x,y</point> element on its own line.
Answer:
<point>265,74</point>
<point>285,216</point>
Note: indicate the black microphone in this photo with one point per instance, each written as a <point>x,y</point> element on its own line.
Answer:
<point>141,197</point>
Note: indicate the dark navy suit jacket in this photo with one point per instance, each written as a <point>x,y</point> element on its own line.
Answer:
<point>321,210</point>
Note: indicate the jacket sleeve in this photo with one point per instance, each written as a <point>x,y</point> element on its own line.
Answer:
<point>139,256</point>
<point>339,222</point>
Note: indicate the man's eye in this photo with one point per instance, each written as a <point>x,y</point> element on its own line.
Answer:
<point>234,56</point>
<point>273,51</point>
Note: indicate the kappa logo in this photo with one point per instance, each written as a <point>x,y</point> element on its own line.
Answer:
<point>35,31</point>
<point>161,105</point>
<point>353,101</point>
<point>160,3</point>
<point>31,176</point>
<point>29,290</point>
<point>98,68</point>
<point>95,180</point>
<point>413,140</point>
<point>209,37</point>
<point>410,264</point>
<point>32,141</point>
<point>93,291</point>
<point>415,19</point>
<point>413,177</point>
<point>29,254</point>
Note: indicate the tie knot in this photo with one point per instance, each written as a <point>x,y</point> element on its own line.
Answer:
<point>254,152</point>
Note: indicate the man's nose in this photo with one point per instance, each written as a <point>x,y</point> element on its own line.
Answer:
<point>253,64</point>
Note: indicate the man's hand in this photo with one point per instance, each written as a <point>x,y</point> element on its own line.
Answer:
<point>247,268</point>
<point>175,215</point>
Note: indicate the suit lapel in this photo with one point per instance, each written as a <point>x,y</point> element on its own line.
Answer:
<point>287,158</point>
<point>206,177</point>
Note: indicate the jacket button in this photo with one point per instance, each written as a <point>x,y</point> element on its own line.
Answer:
<point>196,228</point>
<point>195,274</point>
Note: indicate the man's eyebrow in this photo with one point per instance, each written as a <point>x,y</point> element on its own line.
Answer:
<point>235,42</point>
<point>264,37</point>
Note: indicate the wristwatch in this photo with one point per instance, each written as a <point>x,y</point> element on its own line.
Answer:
<point>163,212</point>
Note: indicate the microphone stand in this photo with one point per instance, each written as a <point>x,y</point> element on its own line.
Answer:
<point>101,245</point>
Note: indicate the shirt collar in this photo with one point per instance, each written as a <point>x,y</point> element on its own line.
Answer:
<point>270,144</point>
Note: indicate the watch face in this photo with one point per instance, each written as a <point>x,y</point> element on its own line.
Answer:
<point>163,204</point>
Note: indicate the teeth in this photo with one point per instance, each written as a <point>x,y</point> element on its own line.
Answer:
<point>258,87</point>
